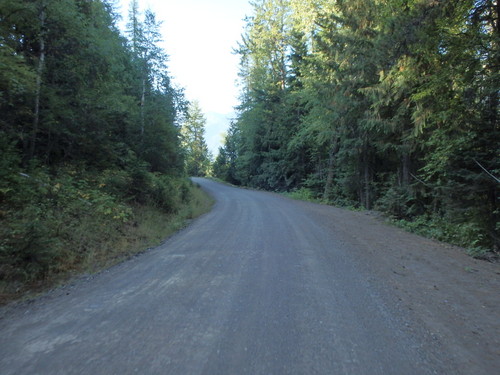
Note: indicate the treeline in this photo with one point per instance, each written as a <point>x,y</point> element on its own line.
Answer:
<point>89,131</point>
<point>390,105</point>
<point>197,155</point>
<point>75,91</point>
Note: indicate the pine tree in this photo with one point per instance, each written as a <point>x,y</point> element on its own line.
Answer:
<point>390,105</point>
<point>193,142</point>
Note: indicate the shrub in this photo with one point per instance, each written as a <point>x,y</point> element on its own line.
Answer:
<point>469,235</point>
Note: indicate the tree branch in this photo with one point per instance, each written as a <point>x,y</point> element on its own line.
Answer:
<point>484,169</point>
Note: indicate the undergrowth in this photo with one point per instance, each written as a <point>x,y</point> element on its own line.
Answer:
<point>309,195</point>
<point>303,194</point>
<point>467,235</point>
<point>56,225</point>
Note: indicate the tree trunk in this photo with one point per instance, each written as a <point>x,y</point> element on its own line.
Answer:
<point>493,194</point>
<point>405,172</point>
<point>366,178</point>
<point>143,101</point>
<point>367,192</point>
<point>38,87</point>
<point>334,148</point>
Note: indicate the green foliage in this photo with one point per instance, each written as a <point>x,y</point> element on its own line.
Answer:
<point>466,234</point>
<point>303,194</point>
<point>99,99</point>
<point>52,225</point>
<point>163,192</point>
<point>16,77</point>
<point>392,105</point>
<point>225,167</point>
<point>89,132</point>
<point>193,141</point>
<point>399,202</point>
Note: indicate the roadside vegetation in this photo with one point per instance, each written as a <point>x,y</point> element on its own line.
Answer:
<point>379,105</point>
<point>466,235</point>
<point>55,227</point>
<point>93,164</point>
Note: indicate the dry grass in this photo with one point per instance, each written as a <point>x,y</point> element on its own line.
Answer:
<point>94,246</point>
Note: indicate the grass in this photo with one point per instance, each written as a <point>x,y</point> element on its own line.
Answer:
<point>149,229</point>
<point>91,245</point>
<point>303,194</point>
<point>465,235</point>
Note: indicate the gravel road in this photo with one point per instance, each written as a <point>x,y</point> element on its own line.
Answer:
<point>267,285</point>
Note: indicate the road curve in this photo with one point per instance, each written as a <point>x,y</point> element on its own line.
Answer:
<point>259,285</point>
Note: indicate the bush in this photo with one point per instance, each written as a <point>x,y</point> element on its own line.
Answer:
<point>53,223</point>
<point>303,194</point>
<point>27,250</point>
<point>397,201</point>
<point>469,235</point>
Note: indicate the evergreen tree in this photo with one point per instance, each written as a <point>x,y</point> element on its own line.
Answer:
<point>224,166</point>
<point>390,105</point>
<point>193,142</point>
<point>89,125</point>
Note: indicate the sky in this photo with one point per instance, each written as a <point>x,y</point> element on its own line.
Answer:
<point>199,37</point>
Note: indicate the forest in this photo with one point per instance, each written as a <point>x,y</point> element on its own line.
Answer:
<point>388,105</point>
<point>93,156</point>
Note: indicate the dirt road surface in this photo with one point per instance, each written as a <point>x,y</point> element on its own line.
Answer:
<point>266,285</point>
